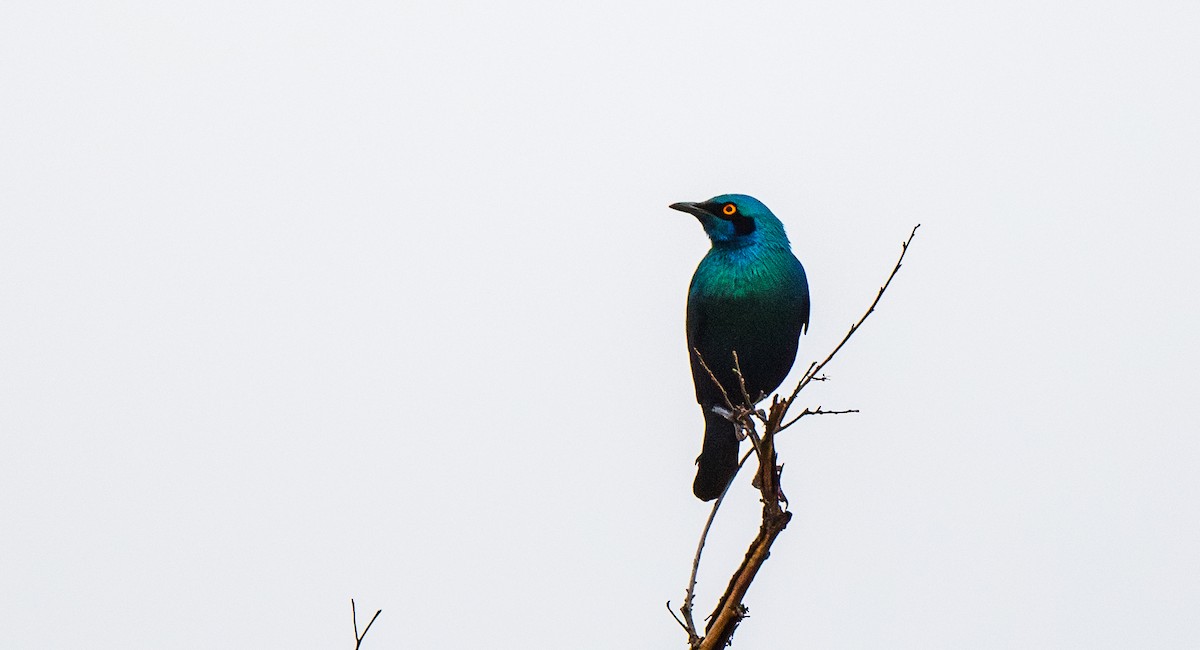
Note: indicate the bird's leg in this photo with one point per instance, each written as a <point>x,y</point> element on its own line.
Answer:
<point>724,412</point>
<point>739,430</point>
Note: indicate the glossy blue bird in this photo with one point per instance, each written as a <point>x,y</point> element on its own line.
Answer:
<point>749,295</point>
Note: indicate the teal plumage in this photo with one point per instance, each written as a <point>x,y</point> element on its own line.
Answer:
<point>749,295</point>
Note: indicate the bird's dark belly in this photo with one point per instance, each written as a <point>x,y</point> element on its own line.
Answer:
<point>765,337</point>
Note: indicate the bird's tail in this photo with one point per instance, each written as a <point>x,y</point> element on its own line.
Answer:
<point>718,460</point>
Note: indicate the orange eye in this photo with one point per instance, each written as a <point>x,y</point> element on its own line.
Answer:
<point>729,209</point>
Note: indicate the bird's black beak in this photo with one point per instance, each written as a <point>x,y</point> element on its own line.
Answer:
<point>691,208</point>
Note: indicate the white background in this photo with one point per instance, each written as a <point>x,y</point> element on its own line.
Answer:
<point>306,301</point>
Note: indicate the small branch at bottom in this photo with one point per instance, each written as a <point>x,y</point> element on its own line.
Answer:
<point>817,411</point>
<point>358,638</point>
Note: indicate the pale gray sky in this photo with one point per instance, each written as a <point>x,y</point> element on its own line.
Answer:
<point>309,301</point>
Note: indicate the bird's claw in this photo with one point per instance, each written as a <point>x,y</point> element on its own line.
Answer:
<point>739,430</point>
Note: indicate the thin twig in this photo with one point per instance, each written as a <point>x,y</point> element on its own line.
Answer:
<point>817,411</point>
<point>354,616</point>
<point>808,376</point>
<point>812,370</point>
<point>752,433</point>
<point>686,608</point>
<point>737,370</point>
<point>676,617</point>
<point>743,418</point>
<point>724,394</point>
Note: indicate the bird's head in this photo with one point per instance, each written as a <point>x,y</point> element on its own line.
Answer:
<point>736,220</point>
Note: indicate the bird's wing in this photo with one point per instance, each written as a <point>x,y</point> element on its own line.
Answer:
<point>695,334</point>
<point>805,302</point>
<point>805,308</point>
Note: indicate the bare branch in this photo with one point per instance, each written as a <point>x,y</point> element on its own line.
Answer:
<point>686,609</point>
<point>358,639</point>
<point>689,597</point>
<point>742,418</point>
<point>817,411</point>
<point>713,377</point>
<point>681,623</point>
<point>737,370</point>
<point>813,370</point>
<point>730,611</point>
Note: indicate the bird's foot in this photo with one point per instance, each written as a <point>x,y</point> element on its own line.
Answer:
<point>739,430</point>
<point>734,416</point>
<point>739,425</point>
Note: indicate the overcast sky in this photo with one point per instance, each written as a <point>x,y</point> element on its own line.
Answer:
<point>308,301</point>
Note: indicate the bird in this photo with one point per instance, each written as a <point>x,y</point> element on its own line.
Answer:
<point>749,295</point>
